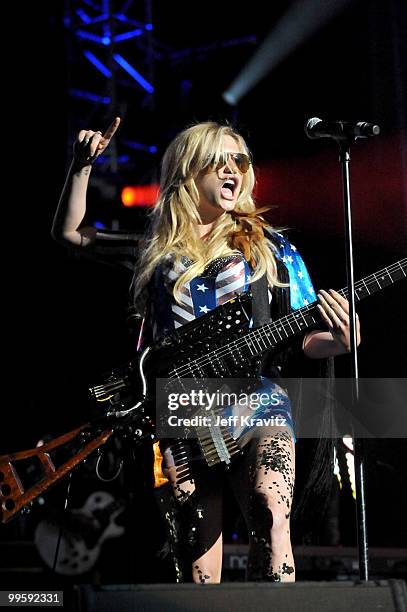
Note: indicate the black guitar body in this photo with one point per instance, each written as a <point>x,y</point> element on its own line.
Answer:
<point>211,346</point>
<point>219,344</point>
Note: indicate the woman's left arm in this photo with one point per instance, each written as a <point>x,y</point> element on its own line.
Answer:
<point>334,311</point>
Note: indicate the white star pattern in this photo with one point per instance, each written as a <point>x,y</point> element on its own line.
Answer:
<point>204,309</point>
<point>294,287</point>
<point>202,288</point>
<point>284,259</point>
<point>300,274</point>
<point>310,290</point>
<point>293,248</point>
<point>290,259</point>
<point>306,302</point>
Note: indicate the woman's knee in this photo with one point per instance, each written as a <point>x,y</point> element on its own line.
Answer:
<point>270,513</point>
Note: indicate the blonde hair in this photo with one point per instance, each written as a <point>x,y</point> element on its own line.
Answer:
<point>175,217</point>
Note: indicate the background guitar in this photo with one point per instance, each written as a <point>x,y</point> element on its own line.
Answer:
<point>83,531</point>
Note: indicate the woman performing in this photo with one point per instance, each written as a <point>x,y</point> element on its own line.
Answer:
<point>206,243</point>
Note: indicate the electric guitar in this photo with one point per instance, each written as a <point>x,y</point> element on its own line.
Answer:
<point>219,344</point>
<point>81,533</point>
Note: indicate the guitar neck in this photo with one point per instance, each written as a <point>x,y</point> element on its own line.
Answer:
<point>379,280</point>
<point>270,335</point>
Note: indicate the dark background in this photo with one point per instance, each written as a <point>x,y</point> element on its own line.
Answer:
<point>64,321</point>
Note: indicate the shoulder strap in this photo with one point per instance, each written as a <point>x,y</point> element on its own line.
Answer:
<point>260,303</point>
<point>280,305</point>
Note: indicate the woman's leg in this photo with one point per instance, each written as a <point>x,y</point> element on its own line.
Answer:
<point>198,490</point>
<point>208,567</point>
<point>263,482</point>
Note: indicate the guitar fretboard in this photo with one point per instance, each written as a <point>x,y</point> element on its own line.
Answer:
<point>259,340</point>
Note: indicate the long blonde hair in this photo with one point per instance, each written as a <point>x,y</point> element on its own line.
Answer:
<point>175,217</point>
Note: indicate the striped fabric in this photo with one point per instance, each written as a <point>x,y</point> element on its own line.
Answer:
<point>223,278</point>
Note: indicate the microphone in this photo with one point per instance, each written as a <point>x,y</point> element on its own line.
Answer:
<point>340,130</point>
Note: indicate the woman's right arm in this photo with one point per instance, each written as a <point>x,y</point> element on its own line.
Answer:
<point>72,203</point>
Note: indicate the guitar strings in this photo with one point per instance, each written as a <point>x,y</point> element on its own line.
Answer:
<point>288,318</point>
<point>291,318</point>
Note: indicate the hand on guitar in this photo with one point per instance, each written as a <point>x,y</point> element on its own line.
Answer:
<point>334,310</point>
<point>89,144</point>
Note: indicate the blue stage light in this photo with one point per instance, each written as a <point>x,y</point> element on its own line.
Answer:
<point>121,159</point>
<point>133,73</point>
<point>87,95</point>
<point>127,35</point>
<point>82,15</point>
<point>89,36</point>
<point>139,146</point>
<point>98,64</point>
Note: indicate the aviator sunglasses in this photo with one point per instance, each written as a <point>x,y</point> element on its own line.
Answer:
<point>241,161</point>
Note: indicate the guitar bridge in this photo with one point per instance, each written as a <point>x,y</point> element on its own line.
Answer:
<point>216,443</point>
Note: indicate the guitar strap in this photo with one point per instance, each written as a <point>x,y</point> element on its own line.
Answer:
<point>262,311</point>
<point>260,302</point>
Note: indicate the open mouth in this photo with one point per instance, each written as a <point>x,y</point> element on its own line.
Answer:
<point>228,189</point>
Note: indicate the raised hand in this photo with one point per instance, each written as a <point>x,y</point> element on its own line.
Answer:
<point>89,144</point>
<point>334,310</point>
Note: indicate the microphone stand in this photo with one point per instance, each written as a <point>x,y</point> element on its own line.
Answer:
<point>344,143</point>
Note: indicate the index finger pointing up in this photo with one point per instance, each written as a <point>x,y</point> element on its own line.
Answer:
<point>112,128</point>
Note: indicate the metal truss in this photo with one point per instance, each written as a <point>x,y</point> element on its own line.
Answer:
<point>111,56</point>
<point>112,61</point>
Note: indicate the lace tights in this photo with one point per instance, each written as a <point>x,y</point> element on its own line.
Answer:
<point>262,480</point>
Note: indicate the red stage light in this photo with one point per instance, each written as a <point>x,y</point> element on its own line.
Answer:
<point>140,195</point>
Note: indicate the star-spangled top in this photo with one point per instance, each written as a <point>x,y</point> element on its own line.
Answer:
<point>302,290</point>
<point>223,278</point>
<point>229,276</point>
